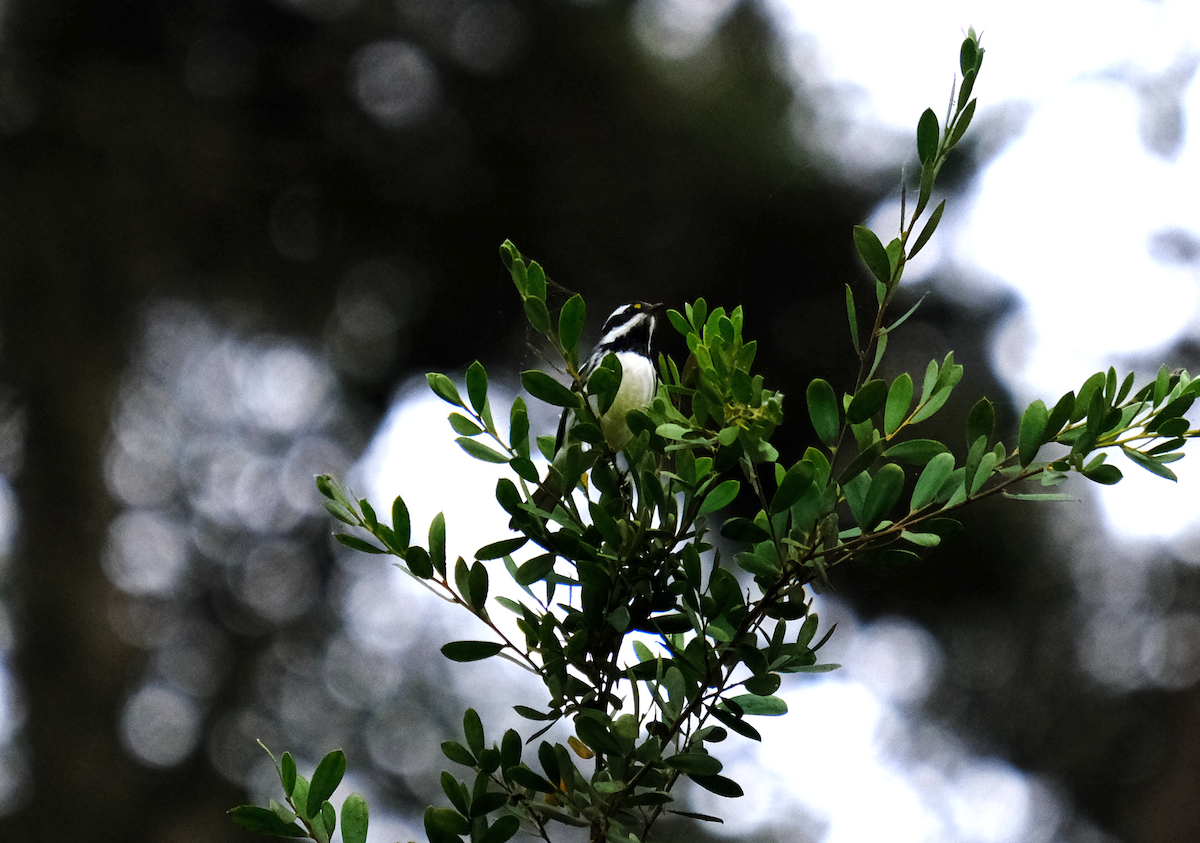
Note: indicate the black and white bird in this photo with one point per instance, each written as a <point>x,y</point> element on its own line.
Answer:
<point>627,333</point>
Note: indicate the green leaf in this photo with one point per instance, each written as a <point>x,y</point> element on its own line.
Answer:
<point>440,822</point>
<point>287,773</point>
<point>737,724</point>
<point>1059,416</point>
<point>865,459</point>
<point>401,524</point>
<point>510,749</point>
<point>921,539</point>
<point>906,315</point>
<point>930,482</point>
<point>604,382</point>
<point>916,451</point>
<point>418,562</point>
<point>720,497</point>
<point>679,322</point>
<point>530,780</point>
<point>478,586</point>
<point>882,494</point>
<point>458,753</point>
<point>501,548</point>
<point>470,651</point>
<point>355,543</point>
<point>437,542</point>
<point>300,794</point>
<point>1083,401</point>
<point>480,451</point>
<point>354,819</point>
<point>545,388</point>
<point>757,565</point>
<point>325,780</point>
<point>872,253</point>
<point>1162,384</point>
<point>937,400</point>
<point>510,256</point>
<point>981,421</point>
<point>966,56</point>
<point>867,401</point>
<point>968,84</point>
<point>764,685</point>
<point>823,410</point>
<point>1029,435</point>
<point>852,318</point>
<point>538,315</point>
<point>794,484</point>
<point>1104,474</point>
<point>719,785</point>
<point>328,819</point>
<point>571,320</point>
<point>328,488</point>
<point>518,428</point>
<point>537,281</point>
<point>477,385</point>
<point>708,818</point>
<point>473,730</point>
<point>1150,464</point>
<point>899,399</point>
<point>444,388</point>
<point>264,821</point>
<point>744,530</point>
<point>508,497</point>
<point>925,189</point>
<point>462,578</point>
<point>533,714</point>
<point>692,763</point>
<point>928,230</point>
<point>535,570</point>
<point>962,122</point>
<point>596,735</point>
<point>502,830</point>
<point>927,136</point>
<point>463,426</point>
<point>760,706</point>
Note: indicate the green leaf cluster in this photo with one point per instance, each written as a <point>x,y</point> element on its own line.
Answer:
<point>308,812</point>
<point>697,547</point>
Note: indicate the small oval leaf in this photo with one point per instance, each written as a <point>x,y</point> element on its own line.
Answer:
<point>872,253</point>
<point>354,819</point>
<point>545,388</point>
<point>470,651</point>
<point>823,410</point>
<point>325,780</point>
<point>867,401</point>
<point>927,136</point>
<point>720,497</point>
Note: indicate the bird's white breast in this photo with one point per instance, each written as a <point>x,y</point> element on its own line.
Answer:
<point>639,380</point>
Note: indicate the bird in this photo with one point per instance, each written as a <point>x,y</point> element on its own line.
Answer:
<point>628,333</point>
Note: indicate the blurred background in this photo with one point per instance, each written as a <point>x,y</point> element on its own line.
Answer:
<point>235,234</point>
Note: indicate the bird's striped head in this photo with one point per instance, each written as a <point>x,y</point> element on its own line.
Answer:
<point>629,328</point>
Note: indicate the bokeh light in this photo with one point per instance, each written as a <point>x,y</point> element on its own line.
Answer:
<point>394,82</point>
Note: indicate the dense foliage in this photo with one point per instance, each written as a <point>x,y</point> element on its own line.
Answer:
<point>657,621</point>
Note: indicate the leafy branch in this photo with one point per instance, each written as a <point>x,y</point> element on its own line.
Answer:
<point>713,624</point>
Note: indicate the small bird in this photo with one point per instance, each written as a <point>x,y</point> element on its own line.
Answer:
<point>627,333</point>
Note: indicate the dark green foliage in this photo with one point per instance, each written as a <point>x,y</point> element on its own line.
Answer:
<point>632,542</point>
